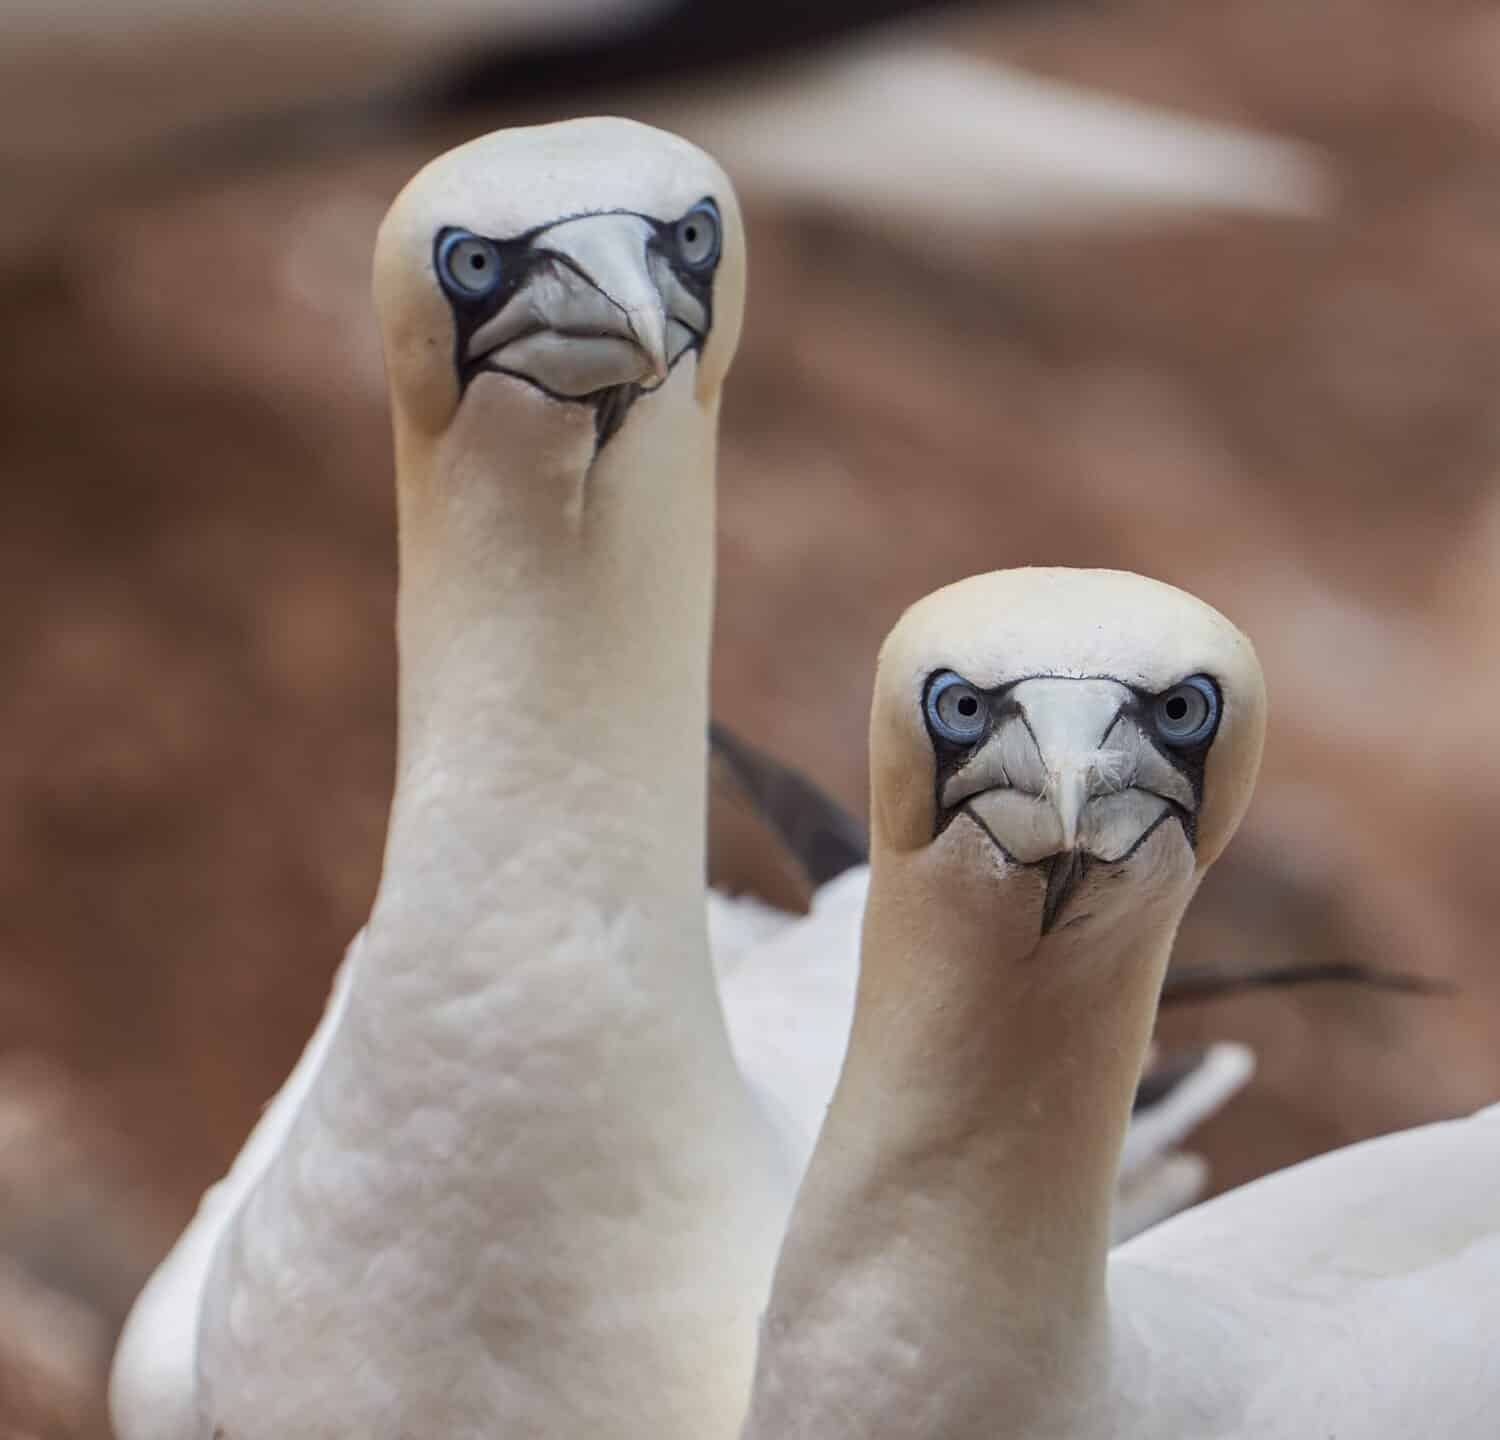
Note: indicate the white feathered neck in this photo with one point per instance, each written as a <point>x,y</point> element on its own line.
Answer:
<point>526,1190</point>
<point>945,1262</point>
<point>944,1272</point>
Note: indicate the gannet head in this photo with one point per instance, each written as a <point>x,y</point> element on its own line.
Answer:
<point>1090,736</point>
<point>560,273</point>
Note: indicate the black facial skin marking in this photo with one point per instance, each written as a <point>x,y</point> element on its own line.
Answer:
<point>1188,761</point>
<point>1064,872</point>
<point>520,257</point>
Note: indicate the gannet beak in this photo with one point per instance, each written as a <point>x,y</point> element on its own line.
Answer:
<point>590,316</point>
<point>1068,776</point>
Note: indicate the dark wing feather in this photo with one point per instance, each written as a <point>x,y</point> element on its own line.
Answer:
<point>1188,984</point>
<point>772,833</point>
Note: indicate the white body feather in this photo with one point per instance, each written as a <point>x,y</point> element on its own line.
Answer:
<point>787,984</point>
<point>1355,1295</point>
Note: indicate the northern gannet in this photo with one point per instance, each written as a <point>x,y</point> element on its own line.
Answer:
<point>516,1184</point>
<point>517,1178</point>
<point>1057,758</point>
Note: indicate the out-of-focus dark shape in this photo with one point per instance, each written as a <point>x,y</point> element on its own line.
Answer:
<point>680,39</point>
<point>163,95</point>
<point>1202,983</point>
<point>97,99</point>
<point>818,837</point>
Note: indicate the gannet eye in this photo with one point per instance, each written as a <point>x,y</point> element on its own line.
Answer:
<point>1187,714</point>
<point>697,235</point>
<point>468,265</point>
<point>956,711</point>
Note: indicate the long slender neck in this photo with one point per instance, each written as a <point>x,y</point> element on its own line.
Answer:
<point>532,1080</point>
<point>553,629</point>
<point>944,1272</point>
<point>545,856</point>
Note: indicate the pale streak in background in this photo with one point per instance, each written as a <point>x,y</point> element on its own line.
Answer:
<point>919,138</point>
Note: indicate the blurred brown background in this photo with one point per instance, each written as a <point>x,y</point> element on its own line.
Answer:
<point>1292,414</point>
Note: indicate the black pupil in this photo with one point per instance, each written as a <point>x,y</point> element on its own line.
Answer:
<point>1177,708</point>
<point>477,260</point>
<point>968,706</point>
<point>690,234</point>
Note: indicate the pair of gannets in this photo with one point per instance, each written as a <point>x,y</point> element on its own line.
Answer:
<point>518,1183</point>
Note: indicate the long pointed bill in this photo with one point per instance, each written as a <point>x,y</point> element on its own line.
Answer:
<point>590,318</point>
<point>611,251</point>
<point>1071,786</point>
<point>648,323</point>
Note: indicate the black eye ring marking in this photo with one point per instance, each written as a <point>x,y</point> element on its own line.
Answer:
<point>956,712</point>
<point>468,266</point>
<point>699,236</point>
<point>1187,715</point>
<point>1183,745</point>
